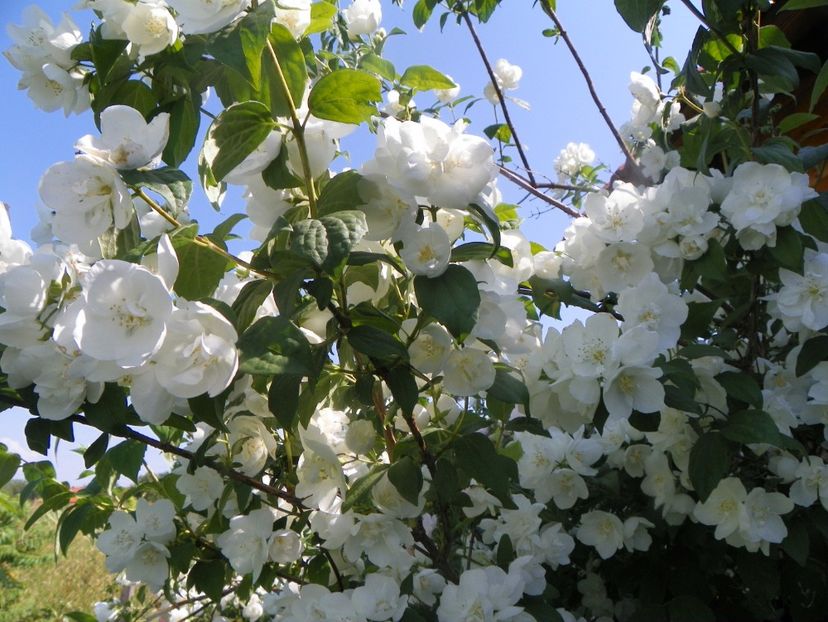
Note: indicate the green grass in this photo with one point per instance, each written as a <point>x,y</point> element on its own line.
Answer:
<point>34,585</point>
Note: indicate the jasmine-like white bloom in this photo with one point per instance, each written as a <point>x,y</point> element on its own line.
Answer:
<point>295,15</point>
<point>54,88</point>
<point>622,265</point>
<point>362,17</point>
<point>555,545</point>
<point>246,544</point>
<point>633,387</point>
<point>85,197</point>
<point>644,90</point>
<point>765,194</point>
<point>199,355</point>
<point>445,96</point>
<point>204,16</point>
<point>201,489</point>
<point>426,250</point>
<point>127,141</point>
<point>319,473</point>
<point>602,530</point>
<point>803,298</point>
<point>724,508</point>
<point>156,520</point>
<point>121,316</point>
<point>636,537</point>
<point>383,539</point>
<point>617,217</point>
<point>573,158</point>
<point>251,442</point>
<point>811,482</point>
<point>651,305</point>
<point>379,599</point>
<point>149,565</point>
<point>150,26</point>
<point>485,594</point>
<point>763,522</point>
<point>468,372</point>
<point>121,541</point>
<point>428,584</point>
<point>430,349</point>
<point>508,79</point>
<point>564,487</point>
<point>285,546</point>
<point>37,42</point>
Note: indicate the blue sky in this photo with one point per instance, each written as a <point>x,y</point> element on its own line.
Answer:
<point>561,110</point>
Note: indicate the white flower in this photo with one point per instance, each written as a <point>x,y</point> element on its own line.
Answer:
<point>319,473</point>
<point>127,141</point>
<point>201,489</point>
<point>121,316</point>
<point>150,26</point>
<point>430,349</point>
<point>636,537</point>
<point>426,250</point>
<point>53,88</point>
<point>803,298</point>
<point>38,42</point>
<point>199,354</point>
<point>86,197</point>
<point>572,159</point>
<point>363,17</point>
<point>762,516</point>
<point>602,530</point>
<point>445,96</point>
<point>121,541</point>
<point>285,546</point>
<point>295,15</point>
<point>204,16</point>
<point>247,171</point>
<point>156,520</point>
<point>361,436</point>
<point>252,443</point>
<point>724,508</point>
<point>622,265</point>
<point>651,305</point>
<point>617,217</point>
<point>385,206</point>
<point>246,543</point>
<point>631,388</point>
<point>149,565</point>
<point>508,78</point>
<point>468,372</point>
<point>644,89</point>
<point>379,598</point>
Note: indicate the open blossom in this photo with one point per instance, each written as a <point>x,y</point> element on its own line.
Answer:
<point>204,16</point>
<point>803,298</point>
<point>602,530</point>
<point>426,250</point>
<point>85,197</point>
<point>573,158</point>
<point>127,141</point>
<point>150,26</point>
<point>295,15</point>
<point>37,42</point>
<point>724,508</point>
<point>362,17</point>
<point>121,316</point>
<point>468,372</point>
<point>508,79</point>
<point>246,544</point>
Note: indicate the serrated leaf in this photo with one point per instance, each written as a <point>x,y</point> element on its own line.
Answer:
<point>273,346</point>
<point>236,133</point>
<point>340,193</point>
<point>452,298</point>
<point>378,65</point>
<point>425,78</point>
<point>709,463</point>
<point>422,12</point>
<point>346,96</point>
<point>327,241</point>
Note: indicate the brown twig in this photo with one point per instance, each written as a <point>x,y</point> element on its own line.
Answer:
<point>500,97</point>
<point>547,8</point>
<point>529,187</point>
<point>124,431</point>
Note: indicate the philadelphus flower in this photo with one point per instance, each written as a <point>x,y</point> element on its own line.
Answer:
<point>803,298</point>
<point>430,349</point>
<point>85,197</point>
<point>201,489</point>
<point>204,16</point>
<point>246,544</point>
<point>251,443</point>
<point>121,316</point>
<point>295,15</point>
<point>150,26</point>
<point>444,96</point>
<point>56,88</point>
<point>362,17</point>
<point>385,206</point>
<point>602,530</point>
<point>426,250</point>
<point>573,158</point>
<point>468,372</point>
<point>127,141</point>
<point>508,79</point>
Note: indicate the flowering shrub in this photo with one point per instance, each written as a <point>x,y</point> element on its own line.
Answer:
<point>369,415</point>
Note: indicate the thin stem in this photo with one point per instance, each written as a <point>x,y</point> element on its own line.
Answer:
<point>199,239</point>
<point>124,431</point>
<point>298,131</point>
<point>598,103</point>
<point>719,34</point>
<point>500,97</point>
<point>531,189</point>
<point>556,186</point>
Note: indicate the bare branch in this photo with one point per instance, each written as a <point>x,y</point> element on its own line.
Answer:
<point>526,185</point>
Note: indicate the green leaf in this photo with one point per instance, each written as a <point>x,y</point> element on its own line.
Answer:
<point>185,120</point>
<point>797,544</point>
<point>9,463</point>
<point>778,151</point>
<point>277,175</point>
<point>237,132</point>
<point>345,95</point>
<point>80,616</point>
<point>422,12</point>
<point>375,64</point>
<point>425,78</point>
<point>756,426</point>
<point>283,398</point>
<point>795,120</point>
<point>407,478</point>
<point>127,457</point>
<point>452,298</point>
<point>500,131</point>
<point>70,524</point>
<point>508,386</point>
<point>377,344</point>
<point>326,242</point>
<point>548,296</point>
<point>813,352</point>
<point>820,85</point>
<point>709,463</point>
<point>814,218</point>
<point>250,299</point>
<point>240,47</point>
<point>54,502</point>
<point>172,184</point>
<point>207,576</point>
<point>482,251</point>
<point>477,456</point>
<point>798,5</point>
<point>360,490</point>
<point>322,17</point>
<point>38,435</point>
<point>110,411</point>
<point>273,346</point>
<point>742,387</point>
<point>505,552</point>
<point>403,388</point>
<point>789,250</point>
<point>200,269</point>
<point>292,64</point>
<point>638,13</point>
<point>96,450</point>
<point>340,193</point>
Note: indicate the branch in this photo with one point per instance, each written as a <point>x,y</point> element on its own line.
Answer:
<point>124,431</point>
<point>500,97</point>
<point>598,103</point>
<point>531,189</point>
<point>298,131</point>
<point>700,16</point>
